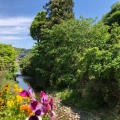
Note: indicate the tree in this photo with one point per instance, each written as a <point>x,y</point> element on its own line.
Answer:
<point>39,23</point>
<point>112,16</point>
<point>98,67</point>
<point>7,57</point>
<point>53,61</point>
<point>56,11</point>
<point>59,11</point>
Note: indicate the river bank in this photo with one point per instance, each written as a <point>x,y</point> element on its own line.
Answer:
<point>69,112</point>
<point>65,112</point>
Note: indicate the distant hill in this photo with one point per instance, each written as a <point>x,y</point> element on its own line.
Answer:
<point>22,50</point>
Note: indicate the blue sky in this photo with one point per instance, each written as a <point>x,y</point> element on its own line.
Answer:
<point>17,15</point>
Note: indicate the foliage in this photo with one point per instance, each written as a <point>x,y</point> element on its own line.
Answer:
<point>39,23</point>
<point>112,16</point>
<point>10,102</point>
<point>14,106</point>
<point>25,64</point>
<point>7,60</point>
<point>55,12</point>
<point>53,60</point>
<point>22,51</point>
<point>81,56</point>
<point>98,72</point>
<point>59,11</point>
<point>77,60</point>
<point>7,56</point>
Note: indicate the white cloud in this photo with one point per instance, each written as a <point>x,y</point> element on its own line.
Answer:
<point>15,25</point>
<point>19,42</point>
<point>6,38</point>
<point>16,21</point>
<point>15,30</point>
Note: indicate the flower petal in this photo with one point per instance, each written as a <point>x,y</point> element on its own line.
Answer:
<point>30,91</point>
<point>34,104</point>
<point>52,116</point>
<point>24,93</point>
<point>51,102</point>
<point>38,112</point>
<point>33,118</point>
<point>31,94</point>
<point>46,108</point>
<point>40,107</point>
<point>44,97</point>
<point>42,94</point>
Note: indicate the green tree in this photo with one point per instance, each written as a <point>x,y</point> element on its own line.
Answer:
<point>39,23</point>
<point>98,69</point>
<point>80,55</point>
<point>53,61</point>
<point>7,60</point>
<point>112,16</point>
<point>59,11</point>
<point>8,54</point>
<point>56,11</point>
<point>22,51</point>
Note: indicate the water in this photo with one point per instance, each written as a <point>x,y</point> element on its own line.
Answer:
<point>22,80</point>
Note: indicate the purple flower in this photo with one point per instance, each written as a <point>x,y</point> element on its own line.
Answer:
<point>36,116</point>
<point>37,110</point>
<point>44,97</point>
<point>52,116</point>
<point>24,93</point>
<point>28,93</point>
<point>35,105</point>
<point>33,118</point>
<point>47,104</point>
<point>51,102</point>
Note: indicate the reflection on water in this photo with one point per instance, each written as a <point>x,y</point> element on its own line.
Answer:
<point>21,82</point>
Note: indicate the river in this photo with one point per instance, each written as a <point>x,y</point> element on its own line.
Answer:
<point>22,80</point>
<point>62,112</point>
<point>23,83</point>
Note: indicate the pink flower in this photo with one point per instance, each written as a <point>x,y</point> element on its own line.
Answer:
<point>35,105</point>
<point>48,105</point>
<point>28,93</point>
<point>39,108</point>
<point>44,97</point>
<point>52,116</point>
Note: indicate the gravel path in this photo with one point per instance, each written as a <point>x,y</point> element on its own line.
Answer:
<point>63,112</point>
<point>66,113</point>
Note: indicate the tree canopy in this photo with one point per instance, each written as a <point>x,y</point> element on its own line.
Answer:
<point>112,16</point>
<point>79,55</point>
<point>7,56</point>
<point>59,10</point>
<point>56,11</point>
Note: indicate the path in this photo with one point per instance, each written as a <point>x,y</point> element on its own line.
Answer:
<point>66,113</point>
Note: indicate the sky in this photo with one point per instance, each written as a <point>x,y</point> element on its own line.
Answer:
<point>16,17</point>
